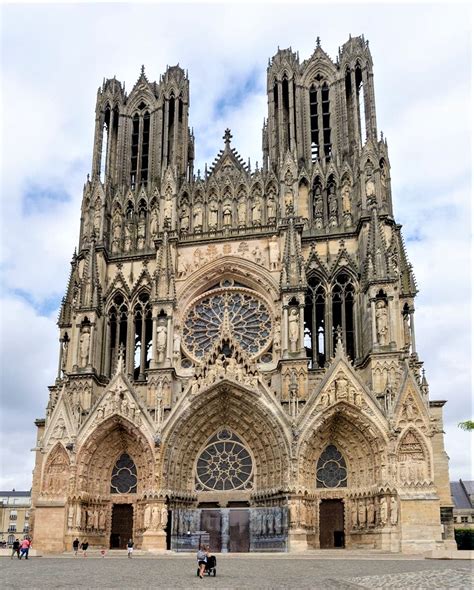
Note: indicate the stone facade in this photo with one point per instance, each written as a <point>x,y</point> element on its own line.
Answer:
<point>237,355</point>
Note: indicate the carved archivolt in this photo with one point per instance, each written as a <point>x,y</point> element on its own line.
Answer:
<point>413,463</point>
<point>246,416</point>
<point>98,455</point>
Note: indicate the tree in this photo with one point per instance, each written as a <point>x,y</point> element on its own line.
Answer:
<point>467,425</point>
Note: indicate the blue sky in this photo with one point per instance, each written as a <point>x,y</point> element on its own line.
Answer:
<point>54,58</point>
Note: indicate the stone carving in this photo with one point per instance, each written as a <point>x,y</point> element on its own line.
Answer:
<point>271,208</point>
<point>84,344</point>
<point>154,222</point>
<point>370,512</point>
<point>213,215</point>
<point>381,321</point>
<point>361,512</point>
<point>274,253</point>
<point>332,206</point>
<point>161,342</point>
<point>257,211</point>
<point>176,346</point>
<point>97,216</point>
<point>393,511</point>
<point>383,511</point>
<point>277,340</point>
<point>197,218</point>
<point>227,214</point>
<point>167,209</point>
<point>242,212</point>
<point>293,329</point>
<point>354,521</point>
<point>184,219</point>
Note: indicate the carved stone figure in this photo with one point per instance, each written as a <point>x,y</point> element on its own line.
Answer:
<point>184,218</point>
<point>161,342</point>
<point>176,346</point>
<point>242,212</point>
<point>64,355</point>
<point>257,212</point>
<point>361,512</point>
<point>154,223</point>
<point>167,209</point>
<point>274,252</point>
<point>271,209</point>
<point>346,198</point>
<point>197,218</point>
<point>84,344</point>
<point>370,512</point>
<point>393,511</point>
<point>213,215</point>
<point>227,214</point>
<point>293,329</point>
<point>354,514</point>
<point>383,511</point>
<point>164,517</point>
<point>381,322</point>
<point>147,517</point>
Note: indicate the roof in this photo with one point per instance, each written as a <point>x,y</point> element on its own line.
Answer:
<point>458,492</point>
<point>15,494</point>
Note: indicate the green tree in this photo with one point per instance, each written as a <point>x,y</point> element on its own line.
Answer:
<point>467,425</point>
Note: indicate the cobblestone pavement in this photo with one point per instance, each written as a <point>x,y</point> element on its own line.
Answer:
<point>235,572</point>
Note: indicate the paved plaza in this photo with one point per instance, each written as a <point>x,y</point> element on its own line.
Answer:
<point>237,572</point>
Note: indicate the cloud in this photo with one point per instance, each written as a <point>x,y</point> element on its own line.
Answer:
<point>55,56</point>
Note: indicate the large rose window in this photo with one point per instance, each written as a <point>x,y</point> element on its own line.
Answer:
<point>225,464</point>
<point>246,315</point>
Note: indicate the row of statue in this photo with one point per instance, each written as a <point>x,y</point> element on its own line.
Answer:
<point>153,517</point>
<point>91,519</point>
<point>117,403</point>
<point>268,522</point>
<point>371,512</point>
<point>227,367</point>
<point>340,390</point>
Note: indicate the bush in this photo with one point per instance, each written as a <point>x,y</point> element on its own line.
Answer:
<point>464,538</point>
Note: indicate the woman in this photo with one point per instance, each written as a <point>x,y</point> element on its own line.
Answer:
<point>85,547</point>
<point>202,560</point>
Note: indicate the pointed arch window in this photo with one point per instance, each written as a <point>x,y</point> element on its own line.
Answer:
<point>320,120</point>
<point>315,322</point>
<point>314,123</point>
<point>140,147</point>
<point>143,335</point>
<point>331,470</point>
<point>343,298</point>
<point>124,476</point>
<point>117,331</point>
<point>359,88</point>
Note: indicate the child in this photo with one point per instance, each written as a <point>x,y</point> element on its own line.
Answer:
<point>129,548</point>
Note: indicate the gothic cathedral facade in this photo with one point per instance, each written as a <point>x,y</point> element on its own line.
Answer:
<point>237,359</point>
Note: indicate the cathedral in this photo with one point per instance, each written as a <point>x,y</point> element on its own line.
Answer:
<point>237,361</point>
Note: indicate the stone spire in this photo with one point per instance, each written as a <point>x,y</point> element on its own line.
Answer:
<point>293,274</point>
<point>164,275</point>
<point>375,264</point>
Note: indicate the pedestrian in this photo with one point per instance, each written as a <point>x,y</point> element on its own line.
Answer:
<point>25,547</point>
<point>16,549</point>
<point>84,547</point>
<point>75,546</point>
<point>129,548</point>
<point>202,560</point>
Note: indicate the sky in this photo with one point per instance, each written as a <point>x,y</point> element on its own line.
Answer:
<point>55,56</point>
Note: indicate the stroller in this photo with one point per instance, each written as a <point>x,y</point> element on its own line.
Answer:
<point>211,564</point>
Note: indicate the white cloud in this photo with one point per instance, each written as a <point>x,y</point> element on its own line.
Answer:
<point>54,58</point>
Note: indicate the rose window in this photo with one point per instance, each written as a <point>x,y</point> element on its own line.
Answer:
<point>331,471</point>
<point>124,476</point>
<point>246,315</point>
<point>225,464</point>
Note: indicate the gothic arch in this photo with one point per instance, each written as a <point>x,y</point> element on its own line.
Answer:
<point>414,462</point>
<point>253,421</point>
<point>359,439</point>
<point>99,452</point>
<point>56,471</point>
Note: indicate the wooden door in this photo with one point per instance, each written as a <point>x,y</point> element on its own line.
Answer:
<point>211,522</point>
<point>239,531</point>
<point>122,526</point>
<point>331,524</point>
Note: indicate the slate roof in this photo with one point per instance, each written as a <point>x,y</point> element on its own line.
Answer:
<point>459,492</point>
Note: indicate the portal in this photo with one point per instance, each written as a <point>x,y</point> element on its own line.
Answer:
<point>122,525</point>
<point>331,524</point>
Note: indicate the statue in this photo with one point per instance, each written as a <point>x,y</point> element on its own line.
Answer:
<point>102,520</point>
<point>161,341</point>
<point>406,329</point>
<point>176,346</point>
<point>381,322</point>
<point>354,514</point>
<point>147,516</point>
<point>257,211</point>
<point>141,229</point>
<point>97,217</point>
<point>274,252</point>
<point>383,511</point>
<point>393,511</point>
<point>370,513</point>
<point>154,222</point>
<point>128,237</point>
<point>242,212</point>
<point>271,208</point>
<point>346,198</point>
<point>361,511</point>
<point>167,209</point>
<point>164,517</point>
<point>213,215</point>
<point>370,191</point>
<point>227,214</point>
<point>64,355</point>
<point>155,518</point>
<point>341,387</point>
<point>277,339</point>
<point>197,218</point>
<point>293,329</point>
<point>84,343</point>
<point>184,218</point>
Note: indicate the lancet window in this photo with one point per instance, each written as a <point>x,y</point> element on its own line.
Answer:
<point>360,103</point>
<point>331,470</point>
<point>315,322</point>
<point>343,295</point>
<point>109,142</point>
<point>140,146</point>
<point>143,326</point>
<point>320,121</point>
<point>117,331</point>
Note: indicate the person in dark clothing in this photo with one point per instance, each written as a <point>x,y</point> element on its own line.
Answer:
<point>15,549</point>
<point>75,546</point>
<point>84,547</point>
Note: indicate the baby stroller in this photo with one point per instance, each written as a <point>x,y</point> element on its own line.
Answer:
<point>211,564</point>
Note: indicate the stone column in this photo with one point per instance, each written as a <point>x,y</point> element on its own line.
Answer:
<point>284,332</point>
<point>225,531</point>
<point>153,363</point>
<point>374,324</point>
<point>91,346</point>
<point>169,340</point>
<point>412,330</point>
<point>301,312</point>
<point>108,352</point>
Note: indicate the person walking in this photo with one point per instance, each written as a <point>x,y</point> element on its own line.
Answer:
<point>16,549</point>
<point>75,546</point>
<point>129,548</point>
<point>84,547</point>
<point>25,548</point>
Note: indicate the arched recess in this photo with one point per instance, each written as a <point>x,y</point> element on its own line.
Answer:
<point>98,455</point>
<point>246,272</point>
<point>413,458</point>
<point>242,412</point>
<point>357,438</point>
<point>56,471</point>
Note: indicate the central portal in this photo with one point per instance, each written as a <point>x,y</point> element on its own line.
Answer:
<point>229,531</point>
<point>331,524</point>
<point>122,525</point>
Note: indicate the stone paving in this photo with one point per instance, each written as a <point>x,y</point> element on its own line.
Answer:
<point>236,572</point>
